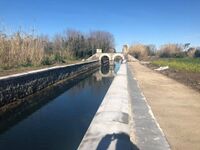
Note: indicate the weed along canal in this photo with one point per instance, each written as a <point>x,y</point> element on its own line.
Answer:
<point>58,117</point>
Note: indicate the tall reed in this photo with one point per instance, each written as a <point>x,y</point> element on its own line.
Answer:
<point>20,49</point>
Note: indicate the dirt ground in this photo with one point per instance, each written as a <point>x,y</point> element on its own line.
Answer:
<point>175,106</point>
<point>188,78</point>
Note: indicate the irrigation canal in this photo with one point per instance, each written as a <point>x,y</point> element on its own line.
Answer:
<point>56,118</point>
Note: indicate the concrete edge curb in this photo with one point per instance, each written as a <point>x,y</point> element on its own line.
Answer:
<point>159,141</point>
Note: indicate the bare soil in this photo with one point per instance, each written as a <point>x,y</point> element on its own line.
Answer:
<point>188,78</point>
<point>176,107</point>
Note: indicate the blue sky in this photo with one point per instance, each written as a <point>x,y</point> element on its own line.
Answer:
<point>145,21</point>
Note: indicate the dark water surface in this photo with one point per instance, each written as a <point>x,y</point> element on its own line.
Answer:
<point>60,118</point>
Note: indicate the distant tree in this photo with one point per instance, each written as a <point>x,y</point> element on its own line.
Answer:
<point>191,52</point>
<point>152,49</point>
<point>102,40</point>
<point>171,50</point>
<point>139,51</point>
<point>29,49</point>
<point>197,53</point>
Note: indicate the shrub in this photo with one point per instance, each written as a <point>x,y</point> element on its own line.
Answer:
<point>197,54</point>
<point>139,51</point>
<point>58,58</point>
<point>180,55</point>
<point>191,52</point>
<point>28,63</point>
<point>47,60</point>
<point>171,50</point>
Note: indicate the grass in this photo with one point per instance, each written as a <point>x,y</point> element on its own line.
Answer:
<point>181,64</point>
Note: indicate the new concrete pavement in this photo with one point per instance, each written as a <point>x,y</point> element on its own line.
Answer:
<point>110,128</point>
<point>148,134</point>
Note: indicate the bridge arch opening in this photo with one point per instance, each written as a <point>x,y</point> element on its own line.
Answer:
<point>118,58</point>
<point>104,60</point>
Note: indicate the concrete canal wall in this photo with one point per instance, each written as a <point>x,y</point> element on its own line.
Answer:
<point>109,128</point>
<point>18,86</point>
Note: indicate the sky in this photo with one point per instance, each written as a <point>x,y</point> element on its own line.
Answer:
<point>130,21</point>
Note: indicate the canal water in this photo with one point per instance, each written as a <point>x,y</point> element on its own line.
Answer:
<point>57,118</point>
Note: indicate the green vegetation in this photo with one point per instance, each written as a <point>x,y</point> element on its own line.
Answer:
<point>141,51</point>
<point>176,56</point>
<point>22,49</point>
<point>171,50</point>
<point>182,64</point>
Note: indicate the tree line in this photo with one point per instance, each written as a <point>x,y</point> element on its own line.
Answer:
<point>24,49</point>
<point>170,50</point>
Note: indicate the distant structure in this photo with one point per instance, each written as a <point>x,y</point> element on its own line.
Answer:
<point>109,56</point>
<point>98,51</point>
<point>125,49</point>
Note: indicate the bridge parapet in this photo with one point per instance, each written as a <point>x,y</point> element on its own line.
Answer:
<point>111,56</point>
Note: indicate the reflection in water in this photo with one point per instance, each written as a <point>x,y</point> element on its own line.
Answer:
<point>107,71</point>
<point>105,61</point>
<point>55,119</point>
<point>117,66</point>
<point>36,101</point>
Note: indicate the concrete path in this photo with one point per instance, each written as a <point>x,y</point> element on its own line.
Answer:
<point>110,126</point>
<point>175,106</point>
<point>148,134</point>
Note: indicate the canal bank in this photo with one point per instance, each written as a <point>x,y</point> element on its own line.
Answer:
<point>61,118</point>
<point>18,86</point>
<point>110,126</point>
<point>175,106</point>
<point>147,132</point>
<point>62,122</point>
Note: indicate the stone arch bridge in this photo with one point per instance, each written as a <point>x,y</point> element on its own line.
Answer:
<point>111,56</point>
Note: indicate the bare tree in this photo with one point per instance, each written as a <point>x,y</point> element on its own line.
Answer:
<point>103,40</point>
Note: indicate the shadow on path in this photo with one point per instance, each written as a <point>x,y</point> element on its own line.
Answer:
<point>122,142</point>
